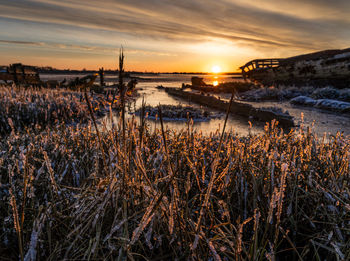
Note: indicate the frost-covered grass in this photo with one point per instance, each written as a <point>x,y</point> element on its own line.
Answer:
<point>69,193</point>
<point>177,113</point>
<point>332,93</point>
<point>290,92</point>
<point>36,108</point>
<point>276,93</point>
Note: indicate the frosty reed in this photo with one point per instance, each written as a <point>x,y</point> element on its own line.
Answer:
<point>69,194</point>
<point>23,108</point>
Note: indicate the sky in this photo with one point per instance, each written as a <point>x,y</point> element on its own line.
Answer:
<point>167,35</point>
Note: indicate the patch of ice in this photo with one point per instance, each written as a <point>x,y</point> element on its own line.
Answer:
<point>303,100</point>
<point>342,55</point>
<point>332,104</point>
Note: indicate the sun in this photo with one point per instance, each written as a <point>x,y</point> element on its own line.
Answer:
<point>216,69</point>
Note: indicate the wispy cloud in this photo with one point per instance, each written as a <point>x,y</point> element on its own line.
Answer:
<point>84,48</point>
<point>162,27</point>
<point>182,19</point>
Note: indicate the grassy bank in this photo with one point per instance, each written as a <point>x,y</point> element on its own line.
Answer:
<point>69,192</point>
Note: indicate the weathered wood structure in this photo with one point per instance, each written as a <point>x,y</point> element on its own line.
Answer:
<point>224,87</point>
<point>20,74</point>
<point>83,83</point>
<point>29,76</point>
<point>330,67</point>
<point>101,73</point>
<point>257,64</point>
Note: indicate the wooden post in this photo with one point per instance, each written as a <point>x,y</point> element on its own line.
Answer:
<point>101,74</point>
<point>23,74</point>
<point>14,73</point>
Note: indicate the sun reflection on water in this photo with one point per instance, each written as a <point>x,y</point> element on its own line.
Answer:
<point>215,83</point>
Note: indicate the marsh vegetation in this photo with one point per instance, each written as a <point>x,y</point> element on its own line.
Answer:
<point>70,191</point>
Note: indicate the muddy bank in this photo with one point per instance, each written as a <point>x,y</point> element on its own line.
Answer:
<point>243,109</point>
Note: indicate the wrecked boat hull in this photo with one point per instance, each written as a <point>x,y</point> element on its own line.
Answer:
<point>239,108</point>
<point>330,67</point>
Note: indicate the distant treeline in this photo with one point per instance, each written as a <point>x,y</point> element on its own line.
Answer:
<point>68,71</point>
<point>48,69</point>
<point>52,70</point>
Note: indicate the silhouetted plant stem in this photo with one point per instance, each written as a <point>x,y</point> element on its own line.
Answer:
<point>97,131</point>
<point>122,100</point>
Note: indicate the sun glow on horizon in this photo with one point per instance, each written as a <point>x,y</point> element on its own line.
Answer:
<point>216,69</point>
